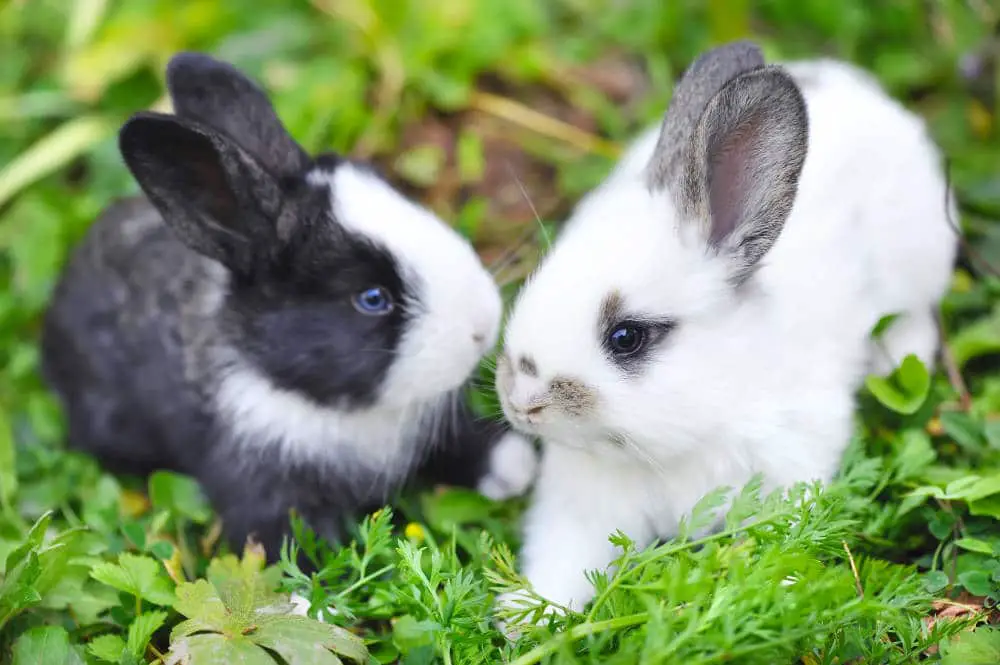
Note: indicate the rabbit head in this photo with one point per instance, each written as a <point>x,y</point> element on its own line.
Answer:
<point>612,341</point>
<point>337,288</point>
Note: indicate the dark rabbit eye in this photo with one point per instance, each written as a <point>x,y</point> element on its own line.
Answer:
<point>626,339</point>
<point>375,300</point>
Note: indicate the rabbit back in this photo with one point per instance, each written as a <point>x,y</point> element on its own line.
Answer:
<point>112,341</point>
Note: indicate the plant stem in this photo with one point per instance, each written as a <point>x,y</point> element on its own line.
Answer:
<point>618,579</point>
<point>577,632</point>
<point>364,580</point>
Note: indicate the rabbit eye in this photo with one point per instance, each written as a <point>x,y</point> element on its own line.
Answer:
<point>626,339</point>
<point>375,300</point>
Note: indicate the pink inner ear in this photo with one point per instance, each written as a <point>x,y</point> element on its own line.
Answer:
<point>730,160</point>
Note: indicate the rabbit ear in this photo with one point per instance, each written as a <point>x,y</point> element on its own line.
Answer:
<point>219,95</point>
<point>702,80</point>
<point>217,198</point>
<point>741,166</point>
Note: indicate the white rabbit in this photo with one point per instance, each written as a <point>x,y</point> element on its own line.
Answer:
<point>706,313</point>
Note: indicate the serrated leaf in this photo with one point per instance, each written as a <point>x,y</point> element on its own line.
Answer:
<point>32,541</point>
<point>199,601</point>
<point>108,648</point>
<point>981,647</point>
<point>302,641</point>
<point>138,575</point>
<point>48,645</point>
<point>179,494</point>
<point>141,631</point>
<point>214,649</point>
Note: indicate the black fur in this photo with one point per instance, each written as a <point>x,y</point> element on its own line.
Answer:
<point>234,261</point>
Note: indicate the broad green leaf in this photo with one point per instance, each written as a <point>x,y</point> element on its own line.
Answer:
<point>917,497</point>
<point>988,507</point>
<point>303,641</point>
<point>935,580</point>
<point>981,647</point>
<point>905,389</point>
<point>455,507</point>
<point>42,645</point>
<point>141,631</point>
<point>977,582</point>
<point>138,575</point>
<point>214,649</point>
<point>979,339</point>
<point>973,488</point>
<point>883,324</point>
<point>199,601</point>
<point>409,633</point>
<point>180,495</point>
<point>108,648</point>
<point>964,429</point>
<point>974,545</point>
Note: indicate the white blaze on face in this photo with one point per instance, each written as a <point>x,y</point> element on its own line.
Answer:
<point>457,317</point>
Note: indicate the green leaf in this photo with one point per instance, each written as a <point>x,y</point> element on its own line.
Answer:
<point>965,430</point>
<point>935,581</point>
<point>979,339</point>
<point>138,575</point>
<point>455,507</point>
<point>42,645</point>
<point>421,165</point>
<point>141,631</point>
<point>973,488</point>
<point>8,475</point>
<point>974,545</point>
<point>214,649</point>
<point>31,542</point>
<point>409,634</point>
<point>199,601</point>
<point>54,151</point>
<point>883,324</point>
<point>108,648</point>
<point>977,582</point>
<point>180,495</point>
<point>981,647</point>
<point>905,389</point>
<point>303,641</point>
<point>988,507</point>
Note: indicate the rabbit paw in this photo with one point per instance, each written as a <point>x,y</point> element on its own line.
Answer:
<point>512,470</point>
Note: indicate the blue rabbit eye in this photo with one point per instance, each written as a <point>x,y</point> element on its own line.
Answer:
<point>375,300</point>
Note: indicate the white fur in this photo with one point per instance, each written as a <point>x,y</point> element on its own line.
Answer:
<point>460,319</point>
<point>513,467</point>
<point>757,382</point>
<point>457,324</point>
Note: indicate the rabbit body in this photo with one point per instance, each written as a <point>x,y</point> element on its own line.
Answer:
<point>705,314</point>
<point>287,329</point>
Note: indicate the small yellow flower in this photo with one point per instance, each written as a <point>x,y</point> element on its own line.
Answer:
<point>414,531</point>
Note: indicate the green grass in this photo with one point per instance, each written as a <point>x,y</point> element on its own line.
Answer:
<point>461,101</point>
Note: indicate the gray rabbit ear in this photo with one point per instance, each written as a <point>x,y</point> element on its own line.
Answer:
<point>702,80</point>
<point>741,170</point>
<point>217,94</point>
<point>211,193</point>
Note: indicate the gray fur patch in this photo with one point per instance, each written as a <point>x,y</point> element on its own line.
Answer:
<point>572,396</point>
<point>611,312</point>
<point>528,366</point>
<point>702,80</point>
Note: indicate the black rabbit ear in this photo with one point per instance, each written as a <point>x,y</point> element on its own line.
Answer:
<point>217,94</point>
<point>217,198</point>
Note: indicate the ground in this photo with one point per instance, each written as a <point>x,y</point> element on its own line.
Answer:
<point>498,116</point>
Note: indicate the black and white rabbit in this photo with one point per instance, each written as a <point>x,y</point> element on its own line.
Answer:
<point>288,329</point>
<point>705,315</point>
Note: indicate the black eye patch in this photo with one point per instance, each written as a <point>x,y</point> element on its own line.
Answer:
<point>629,339</point>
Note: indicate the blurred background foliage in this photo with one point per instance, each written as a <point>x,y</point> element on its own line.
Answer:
<point>488,111</point>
